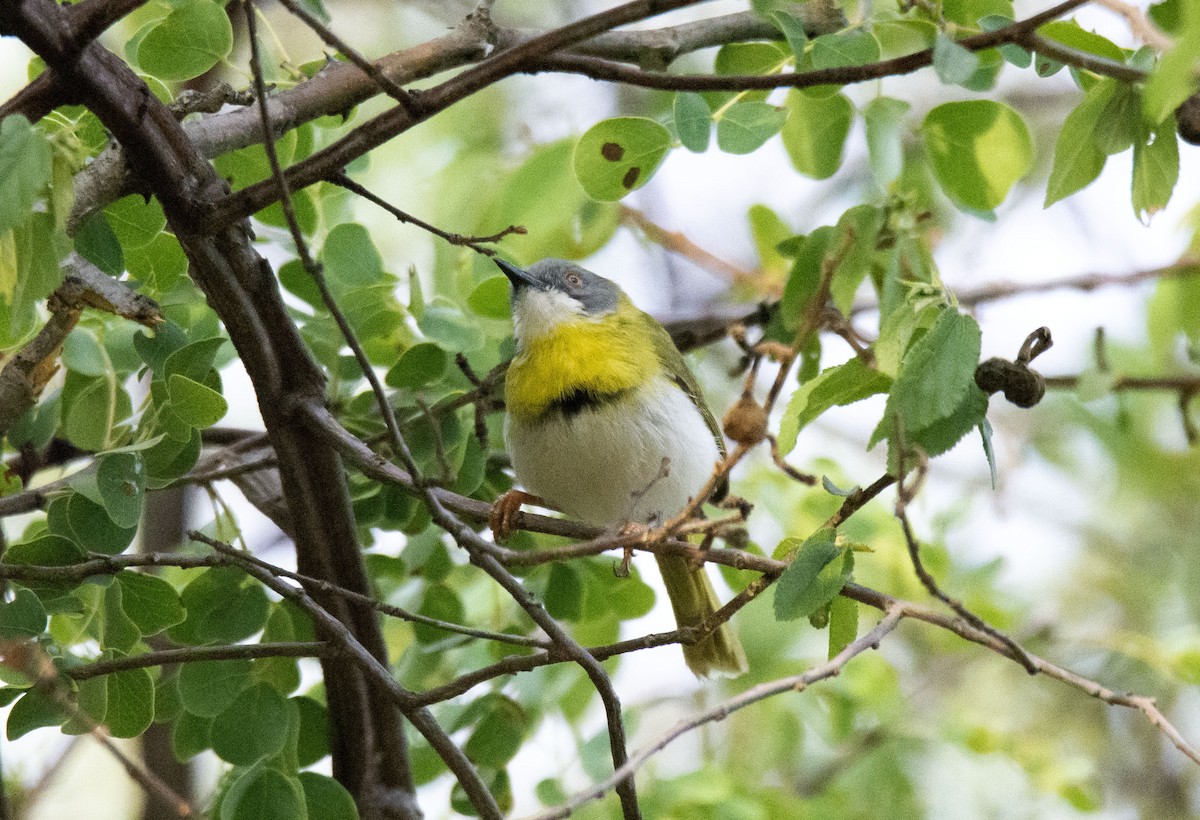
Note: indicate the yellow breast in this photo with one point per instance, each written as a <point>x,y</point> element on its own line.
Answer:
<point>603,356</point>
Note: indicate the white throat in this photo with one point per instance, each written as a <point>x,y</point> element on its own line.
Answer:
<point>539,312</point>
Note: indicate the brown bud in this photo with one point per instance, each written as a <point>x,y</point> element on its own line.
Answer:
<point>746,421</point>
<point>1021,385</point>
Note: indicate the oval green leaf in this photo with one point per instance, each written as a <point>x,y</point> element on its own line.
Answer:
<point>617,156</point>
<point>977,149</point>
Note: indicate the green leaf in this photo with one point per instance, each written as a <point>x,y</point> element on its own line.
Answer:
<point>326,798</point>
<point>985,436</point>
<point>157,265</point>
<point>1072,35</point>
<point>91,527</point>
<point>190,735</point>
<point>445,324</point>
<point>193,360</point>
<point>1077,159</point>
<point>497,783</point>
<point>130,709</point>
<point>1120,122</point>
<point>23,617</point>
<point>735,59</point>
<point>843,623</point>
<point>254,726</point>
<point>223,606</point>
<point>977,150</point>
<point>313,743</point>
<point>1175,78</point>
<point>564,593</point>
<point>847,48</point>
<point>96,242</point>
<point>769,230</point>
<point>442,603</point>
<point>171,458</point>
<point>1012,53</point>
<point>490,298</point>
<point>619,155</point>
<point>154,350</point>
<point>194,403</point>
<point>30,253</point>
<point>835,387</point>
<point>92,703</point>
<point>936,373</point>
<point>817,573</point>
<point>281,673</point>
<point>498,734</point>
<point>187,42</point>
<point>150,602</point>
<point>745,126</point>
<point>83,353</point>
<point>1167,15</point>
<point>793,31</point>
<point>884,118</point>
<point>34,710</point>
<point>135,221</point>
<point>805,277</point>
<point>1155,169</point>
<point>117,630</point>
<point>693,121</point>
<point>419,365</point>
<point>121,479</point>
<point>953,64</point>
<point>46,550</point>
<point>351,259</point>
<point>207,688</point>
<point>24,169</point>
<point>815,132</point>
<point>264,794</point>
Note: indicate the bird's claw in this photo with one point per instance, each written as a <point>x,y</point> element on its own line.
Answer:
<point>503,517</point>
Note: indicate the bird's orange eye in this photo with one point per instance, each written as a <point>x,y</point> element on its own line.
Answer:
<point>574,280</point>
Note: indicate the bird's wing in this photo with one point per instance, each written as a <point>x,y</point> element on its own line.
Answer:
<point>678,371</point>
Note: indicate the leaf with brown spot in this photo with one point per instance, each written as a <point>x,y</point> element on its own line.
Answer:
<point>619,155</point>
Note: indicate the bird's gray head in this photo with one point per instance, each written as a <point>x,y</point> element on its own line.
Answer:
<point>553,291</point>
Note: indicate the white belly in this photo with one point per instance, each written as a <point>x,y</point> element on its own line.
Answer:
<point>591,464</point>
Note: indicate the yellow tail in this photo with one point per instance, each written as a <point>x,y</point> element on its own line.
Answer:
<point>693,599</point>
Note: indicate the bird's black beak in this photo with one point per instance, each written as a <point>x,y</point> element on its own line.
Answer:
<point>519,278</point>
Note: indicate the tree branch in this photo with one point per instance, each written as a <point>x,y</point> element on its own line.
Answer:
<point>795,683</point>
<point>193,654</point>
<point>418,715</point>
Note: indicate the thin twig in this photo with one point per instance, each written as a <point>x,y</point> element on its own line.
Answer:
<point>1139,24</point>
<point>193,654</point>
<point>34,663</point>
<point>678,242</point>
<point>475,243</point>
<point>600,69</point>
<point>795,683</point>
<point>904,495</point>
<point>424,722</point>
<point>389,86</point>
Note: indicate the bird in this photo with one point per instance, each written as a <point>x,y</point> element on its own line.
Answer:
<point>605,423</point>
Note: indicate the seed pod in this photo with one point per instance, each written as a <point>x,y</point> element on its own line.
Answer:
<point>746,421</point>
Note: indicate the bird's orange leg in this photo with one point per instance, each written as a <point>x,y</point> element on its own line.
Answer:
<point>504,512</point>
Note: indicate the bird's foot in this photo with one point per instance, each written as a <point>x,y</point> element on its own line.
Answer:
<point>502,519</point>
